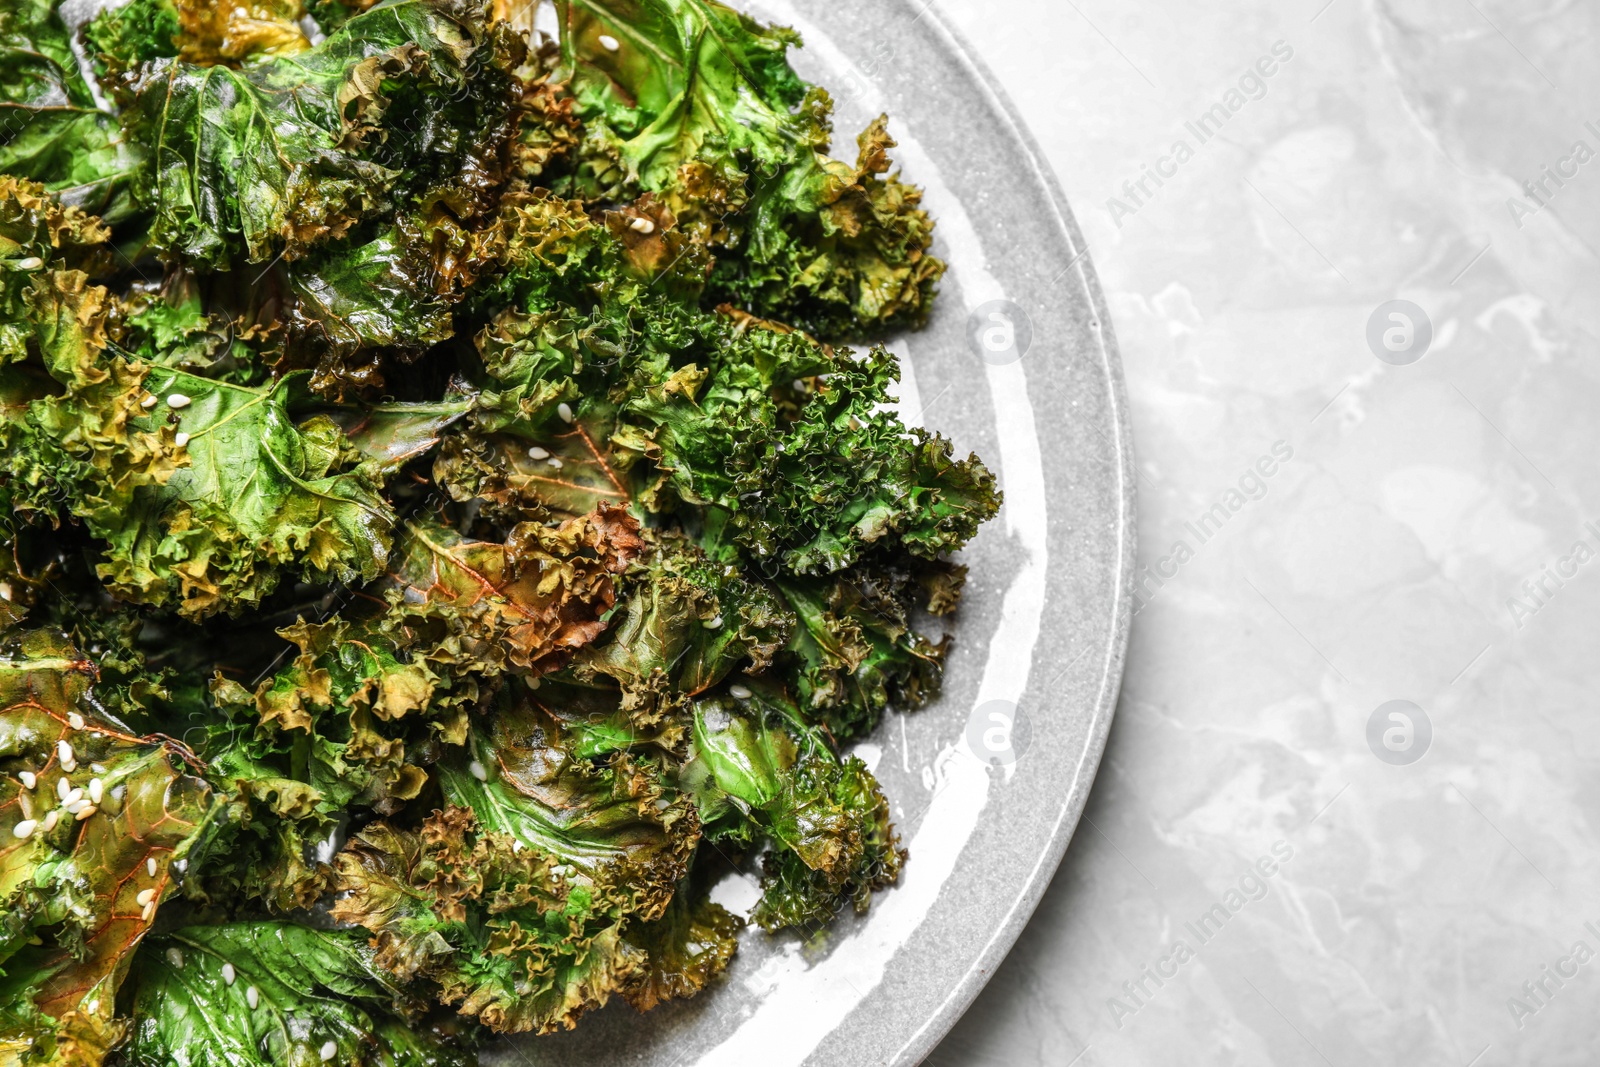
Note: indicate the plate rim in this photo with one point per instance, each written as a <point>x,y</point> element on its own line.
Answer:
<point>1114,655</point>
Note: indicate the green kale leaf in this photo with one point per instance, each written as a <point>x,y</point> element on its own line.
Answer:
<point>274,994</point>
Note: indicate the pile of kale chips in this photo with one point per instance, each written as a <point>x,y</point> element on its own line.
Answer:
<point>440,534</point>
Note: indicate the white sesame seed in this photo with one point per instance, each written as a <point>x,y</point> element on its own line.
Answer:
<point>24,828</point>
<point>564,409</point>
<point>118,792</point>
<point>150,401</point>
<point>181,865</point>
<point>98,768</point>
<point>150,866</point>
<point>5,591</point>
<point>228,974</point>
<point>516,846</point>
<point>34,262</point>
<point>64,750</point>
<point>329,1051</point>
<point>85,812</point>
<point>180,438</point>
<point>29,779</point>
<point>642,225</point>
<point>252,996</point>
<point>538,453</point>
<point>74,796</point>
<point>97,790</point>
<point>478,771</point>
<point>50,819</point>
<point>145,896</point>
<point>714,623</point>
<point>738,692</point>
<point>175,956</point>
<point>69,765</point>
<point>147,912</point>
<point>63,787</point>
<point>178,400</point>
<point>75,720</point>
<point>555,463</point>
<point>609,43</point>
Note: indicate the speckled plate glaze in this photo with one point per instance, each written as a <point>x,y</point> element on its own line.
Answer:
<point>1044,624</point>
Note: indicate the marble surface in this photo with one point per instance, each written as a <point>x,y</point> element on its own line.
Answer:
<point>1423,535</point>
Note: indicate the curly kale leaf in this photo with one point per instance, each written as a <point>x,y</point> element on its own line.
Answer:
<point>204,491</point>
<point>687,946</point>
<point>51,128</point>
<point>684,625</point>
<point>761,438</point>
<point>38,234</point>
<point>855,652</point>
<point>758,773</point>
<point>259,495</point>
<point>100,825</point>
<point>536,599</point>
<point>274,994</point>
<point>295,150</point>
<point>705,111</point>
<point>200,31</point>
<point>514,902</point>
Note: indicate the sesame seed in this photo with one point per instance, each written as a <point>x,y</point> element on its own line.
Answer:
<point>145,896</point>
<point>24,828</point>
<point>739,692</point>
<point>63,787</point>
<point>329,1050</point>
<point>97,790</point>
<point>556,463</point>
<point>150,866</point>
<point>29,779</point>
<point>74,796</point>
<point>26,803</point>
<point>5,591</point>
<point>642,225</point>
<point>175,956</point>
<point>609,43</point>
<point>182,865</point>
<point>50,820</point>
<point>34,262</point>
<point>147,912</point>
<point>98,768</point>
<point>150,401</point>
<point>75,720</point>
<point>516,846</point>
<point>478,771</point>
<point>178,400</point>
<point>180,438</point>
<point>714,623</point>
<point>252,996</point>
<point>228,974</point>
<point>64,750</point>
<point>564,409</point>
<point>86,811</point>
<point>538,453</point>
<point>69,765</point>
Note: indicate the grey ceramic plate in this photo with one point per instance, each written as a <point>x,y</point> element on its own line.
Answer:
<point>1033,676</point>
<point>1044,623</point>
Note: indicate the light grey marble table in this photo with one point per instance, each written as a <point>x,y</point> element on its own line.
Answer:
<point>1267,873</point>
